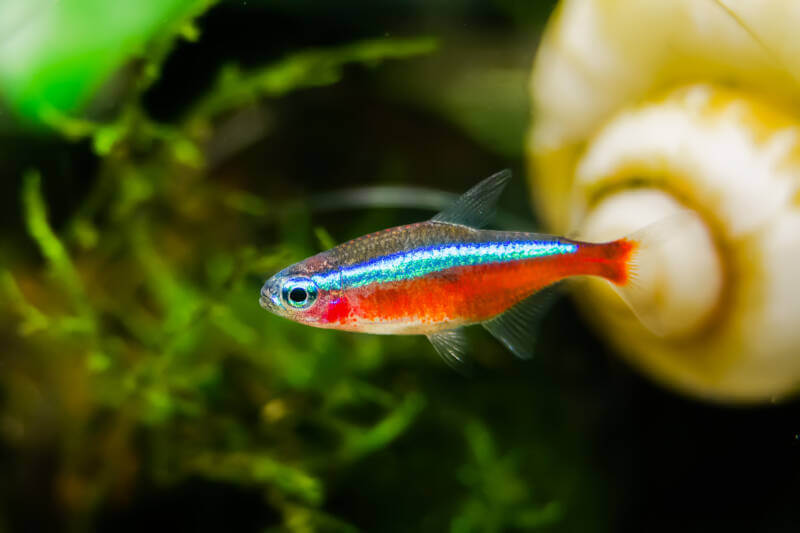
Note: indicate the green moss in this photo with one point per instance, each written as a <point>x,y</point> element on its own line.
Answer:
<point>139,332</point>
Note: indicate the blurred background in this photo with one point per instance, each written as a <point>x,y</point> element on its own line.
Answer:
<point>160,158</point>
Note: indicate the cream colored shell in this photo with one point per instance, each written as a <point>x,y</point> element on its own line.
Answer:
<point>644,107</point>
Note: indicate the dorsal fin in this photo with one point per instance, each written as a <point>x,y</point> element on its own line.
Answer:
<point>475,208</point>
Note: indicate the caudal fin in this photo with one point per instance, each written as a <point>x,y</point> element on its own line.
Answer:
<point>656,255</point>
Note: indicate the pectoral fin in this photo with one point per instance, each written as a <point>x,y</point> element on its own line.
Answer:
<point>452,346</point>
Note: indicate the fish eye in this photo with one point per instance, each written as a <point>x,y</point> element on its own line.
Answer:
<point>299,293</point>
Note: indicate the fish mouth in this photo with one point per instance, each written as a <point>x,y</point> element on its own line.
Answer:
<point>264,302</point>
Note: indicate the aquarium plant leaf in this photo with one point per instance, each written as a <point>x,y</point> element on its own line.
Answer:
<point>235,88</point>
<point>54,55</point>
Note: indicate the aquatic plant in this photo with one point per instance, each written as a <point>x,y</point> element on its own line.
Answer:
<point>137,359</point>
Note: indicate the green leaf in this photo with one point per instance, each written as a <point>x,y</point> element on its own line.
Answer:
<point>54,55</point>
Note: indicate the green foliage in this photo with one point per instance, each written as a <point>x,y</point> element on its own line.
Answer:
<point>500,498</point>
<point>312,68</point>
<point>141,329</point>
<point>55,54</point>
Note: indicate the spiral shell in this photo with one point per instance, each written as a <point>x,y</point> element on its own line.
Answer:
<point>645,107</point>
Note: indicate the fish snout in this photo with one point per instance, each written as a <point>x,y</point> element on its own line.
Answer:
<point>270,299</point>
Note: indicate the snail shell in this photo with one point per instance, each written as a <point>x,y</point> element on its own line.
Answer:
<point>642,108</point>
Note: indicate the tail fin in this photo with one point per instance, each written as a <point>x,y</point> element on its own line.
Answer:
<point>656,251</point>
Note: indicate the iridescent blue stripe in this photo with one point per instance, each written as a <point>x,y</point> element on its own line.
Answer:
<point>420,262</point>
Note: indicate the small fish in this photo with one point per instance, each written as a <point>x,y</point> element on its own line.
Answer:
<point>435,277</point>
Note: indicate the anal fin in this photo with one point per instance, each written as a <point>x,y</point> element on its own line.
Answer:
<point>518,327</point>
